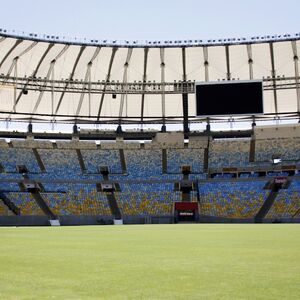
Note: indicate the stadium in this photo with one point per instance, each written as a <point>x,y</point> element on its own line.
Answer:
<point>142,175</point>
<point>175,132</point>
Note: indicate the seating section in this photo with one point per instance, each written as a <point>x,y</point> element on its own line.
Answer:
<point>94,159</point>
<point>232,199</point>
<point>223,196</point>
<point>147,199</point>
<point>77,200</point>
<point>82,200</point>
<point>180,157</point>
<point>289,149</point>
<point>9,187</point>
<point>287,203</point>
<point>143,164</point>
<point>60,163</point>
<point>229,153</point>
<point>11,157</point>
<point>26,203</point>
<point>4,211</point>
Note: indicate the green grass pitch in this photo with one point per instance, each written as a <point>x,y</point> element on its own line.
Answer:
<point>188,261</point>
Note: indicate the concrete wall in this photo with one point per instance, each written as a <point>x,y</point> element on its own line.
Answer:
<point>273,132</point>
<point>99,220</point>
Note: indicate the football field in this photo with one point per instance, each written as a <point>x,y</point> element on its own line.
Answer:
<point>188,261</point>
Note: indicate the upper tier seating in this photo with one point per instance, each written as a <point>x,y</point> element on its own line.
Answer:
<point>11,157</point>
<point>143,164</point>
<point>94,159</point>
<point>288,149</point>
<point>60,163</point>
<point>229,153</point>
<point>180,157</point>
<point>147,163</point>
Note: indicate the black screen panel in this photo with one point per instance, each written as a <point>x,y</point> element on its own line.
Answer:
<point>230,98</point>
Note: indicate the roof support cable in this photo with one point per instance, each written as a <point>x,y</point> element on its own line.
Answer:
<point>70,78</point>
<point>33,75</point>
<point>49,73</point>
<point>273,75</point>
<point>125,79</point>
<point>113,53</point>
<point>14,65</point>
<point>87,83</point>
<point>18,42</point>
<point>296,66</point>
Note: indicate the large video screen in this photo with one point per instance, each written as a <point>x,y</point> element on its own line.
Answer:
<point>229,98</point>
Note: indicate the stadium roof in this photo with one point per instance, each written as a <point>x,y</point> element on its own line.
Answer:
<point>49,78</point>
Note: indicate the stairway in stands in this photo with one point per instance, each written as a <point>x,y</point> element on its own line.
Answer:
<point>113,205</point>
<point>123,161</point>
<point>11,206</point>
<point>39,160</point>
<point>266,205</point>
<point>81,161</point>
<point>110,195</point>
<point>43,205</point>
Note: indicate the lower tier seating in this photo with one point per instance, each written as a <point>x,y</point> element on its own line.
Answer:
<point>83,202</point>
<point>232,199</point>
<point>147,199</point>
<point>26,203</point>
<point>4,211</point>
<point>287,203</point>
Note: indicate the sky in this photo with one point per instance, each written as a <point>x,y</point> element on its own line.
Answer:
<point>151,20</point>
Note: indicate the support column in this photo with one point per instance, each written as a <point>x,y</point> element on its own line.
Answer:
<point>185,95</point>
<point>163,100</point>
<point>250,60</point>
<point>273,74</point>
<point>228,74</point>
<point>206,64</point>
<point>123,95</point>
<point>146,50</point>
<point>296,66</point>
